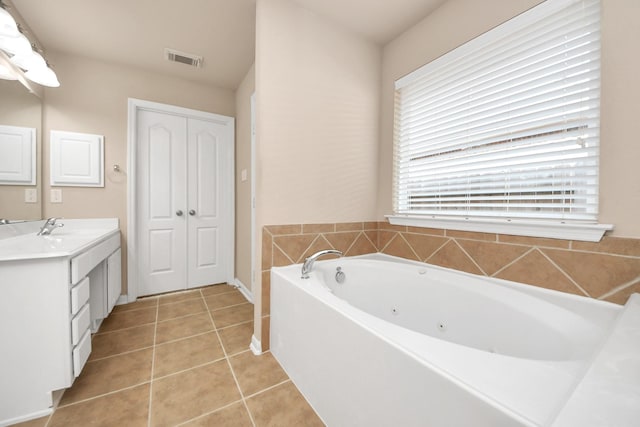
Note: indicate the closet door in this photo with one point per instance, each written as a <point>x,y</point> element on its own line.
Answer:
<point>162,202</point>
<point>208,149</point>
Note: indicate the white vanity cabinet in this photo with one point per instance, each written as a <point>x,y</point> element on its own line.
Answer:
<point>46,318</point>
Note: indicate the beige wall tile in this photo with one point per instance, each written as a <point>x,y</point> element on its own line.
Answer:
<point>451,256</point>
<point>384,237</point>
<point>370,225</point>
<point>490,237</point>
<point>490,256</point>
<point>535,269</point>
<point>319,244</point>
<point>424,245</point>
<point>426,230</point>
<point>278,230</point>
<point>294,246</point>
<point>400,248</point>
<point>362,245</point>
<point>350,226</point>
<point>374,238</point>
<point>533,241</point>
<point>596,273</point>
<point>267,250</point>
<point>383,225</point>
<point>266,292</point>
<point>318,228</point>
<point>266,331</point>
<point>342,241</point>
<point>610,245</point>
<point>621,296</point>
<point>280,258</point>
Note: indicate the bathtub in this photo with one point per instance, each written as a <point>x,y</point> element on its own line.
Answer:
<point>402,343</point>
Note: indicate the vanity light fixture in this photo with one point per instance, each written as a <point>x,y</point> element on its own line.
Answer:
<point>22,53</point>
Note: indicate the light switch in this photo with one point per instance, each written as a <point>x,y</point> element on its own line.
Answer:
<point>30,195</point>
<point>243,175</point>
<point>56,195</point>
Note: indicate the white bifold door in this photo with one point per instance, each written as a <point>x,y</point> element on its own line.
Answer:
<point>183,192</point>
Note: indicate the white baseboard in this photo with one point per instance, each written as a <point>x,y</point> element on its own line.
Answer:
<point>244,290</point>
<point>255,346</point>
<point>123,299</point>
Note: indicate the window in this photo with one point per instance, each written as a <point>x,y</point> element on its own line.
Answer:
<point>505,127</point>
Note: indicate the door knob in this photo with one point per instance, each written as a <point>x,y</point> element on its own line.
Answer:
<point>192,212</point>
<point>179,212</point>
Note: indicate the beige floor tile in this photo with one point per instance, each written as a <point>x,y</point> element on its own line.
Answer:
<point>42,422</point>
<point>282,406</point>
<point>236,338</point>
<point>215,302</point>
<point>110,374</point>
<point>180,309</point>
<point>233,315</point>
<point>128,319</point>
<point>179,296</point>
<point>125,408</point>
<point>183,327</point>
<point>217,289</point>
<point>187,353</point>
<point>112,343</point>
<point>189,394</point>
<point>235,415</point>
<point>255,373</point>
<point>137,305</point>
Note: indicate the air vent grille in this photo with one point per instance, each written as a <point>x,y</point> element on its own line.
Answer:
<point>183,57</point>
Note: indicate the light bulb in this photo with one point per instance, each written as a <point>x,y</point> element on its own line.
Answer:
<point>8,26</point>
<point>15,45</point>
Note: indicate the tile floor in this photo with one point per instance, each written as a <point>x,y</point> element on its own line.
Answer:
<point>181,359</point>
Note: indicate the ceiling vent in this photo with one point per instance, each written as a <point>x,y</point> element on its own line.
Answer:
<point>183,57</point>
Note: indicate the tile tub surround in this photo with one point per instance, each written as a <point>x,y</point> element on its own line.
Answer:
<point>181,359</point>
<point>607,270</point>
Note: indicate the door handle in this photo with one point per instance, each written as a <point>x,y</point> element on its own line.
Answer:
<point>179,212</point>
<point>192,212</point>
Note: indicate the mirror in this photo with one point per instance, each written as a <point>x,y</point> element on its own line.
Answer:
<point>19,107</point>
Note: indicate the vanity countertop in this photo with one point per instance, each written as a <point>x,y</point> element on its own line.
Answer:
<point>74,237</point>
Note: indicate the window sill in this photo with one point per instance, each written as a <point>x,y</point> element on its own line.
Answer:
<point>518,227</point>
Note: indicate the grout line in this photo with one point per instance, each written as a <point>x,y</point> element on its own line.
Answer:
<point>448,239</point>
<point>111,356</point>
<point>470,257</point>
<point>565,274</point>
<point>229,306</point>
<point>123,329</point>
<point>210,362</point>
<point>233,374</point>
<point>500,270</point>
<point>153,364</point>
<point>618,288</point>
<point>104,394</point>
<point>271,388</point>
<point>210,412</point>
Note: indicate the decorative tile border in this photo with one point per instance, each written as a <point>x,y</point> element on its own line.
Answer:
<point>607,270</point>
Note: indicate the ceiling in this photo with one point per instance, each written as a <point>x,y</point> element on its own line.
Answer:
<point>135,32</point>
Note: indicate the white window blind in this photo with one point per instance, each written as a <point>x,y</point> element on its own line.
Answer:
<point>507,125</point>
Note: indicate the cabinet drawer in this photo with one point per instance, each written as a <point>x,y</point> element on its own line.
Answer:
<point>80,324</point>
<point>79,295</point>
<point>84,263</point>
<point>81,353</point>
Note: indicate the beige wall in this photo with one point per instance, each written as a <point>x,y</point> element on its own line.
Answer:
<point>92,98</point>
<point>317,104</point>
<point>458,21</point>
<point>243,188</point>
<point>18,107</point>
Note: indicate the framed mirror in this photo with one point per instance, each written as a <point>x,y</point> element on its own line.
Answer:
<point>21,108</point>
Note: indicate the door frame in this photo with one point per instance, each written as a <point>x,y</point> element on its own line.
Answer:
<point>228,233</point>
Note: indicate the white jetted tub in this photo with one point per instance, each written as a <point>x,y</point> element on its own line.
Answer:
<point>402,343</point>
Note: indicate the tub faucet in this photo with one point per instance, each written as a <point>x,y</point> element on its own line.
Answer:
<point>308,263</point>
<point>48,226</point>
